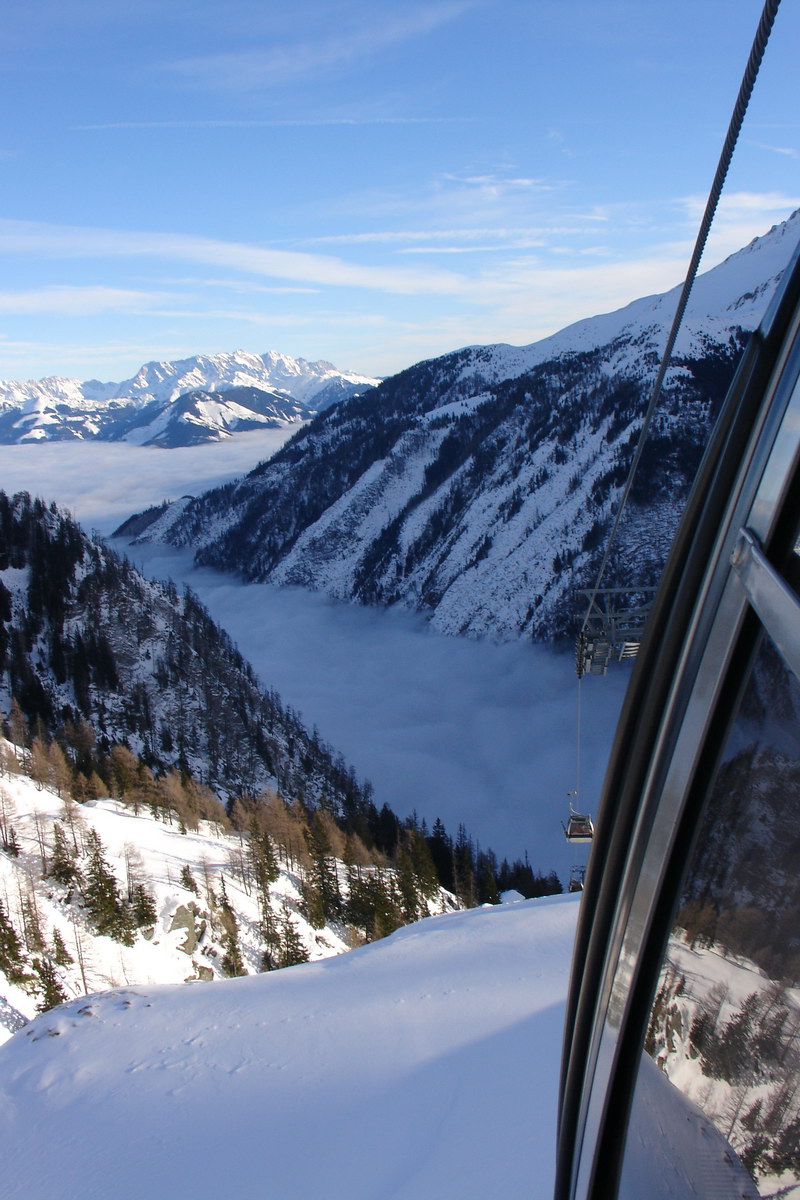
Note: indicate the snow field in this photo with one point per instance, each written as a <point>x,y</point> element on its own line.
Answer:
<point>422,1066</point>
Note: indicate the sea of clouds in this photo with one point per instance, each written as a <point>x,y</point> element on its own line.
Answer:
<point>465,730</point>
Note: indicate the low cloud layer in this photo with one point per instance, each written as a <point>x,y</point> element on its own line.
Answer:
<point>467,731</point>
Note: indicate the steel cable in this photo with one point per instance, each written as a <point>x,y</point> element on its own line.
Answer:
<point>734,128</point>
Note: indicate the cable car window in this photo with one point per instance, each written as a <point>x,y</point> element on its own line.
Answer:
<point>719,1084</point>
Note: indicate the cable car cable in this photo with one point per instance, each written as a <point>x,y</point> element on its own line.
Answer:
<point>734,128</point>
<point>746,86</point>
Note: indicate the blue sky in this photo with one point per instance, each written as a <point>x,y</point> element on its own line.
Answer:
<point>371,183</point>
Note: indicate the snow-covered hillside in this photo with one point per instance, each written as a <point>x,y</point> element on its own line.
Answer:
<point>184,941</point>
<point>422,1066</point>
<point>724,1033</point>
<point>479,487</point>
<point>203,878</point>
<point>203,398</point>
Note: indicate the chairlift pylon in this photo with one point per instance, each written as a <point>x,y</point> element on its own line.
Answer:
<point>612,629</point>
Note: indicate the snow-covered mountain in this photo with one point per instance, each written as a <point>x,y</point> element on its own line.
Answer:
<point>479,487</point>
<point>119,687</point>
<point>203,398</point>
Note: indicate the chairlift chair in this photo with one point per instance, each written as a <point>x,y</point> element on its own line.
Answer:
<point>577,877</point>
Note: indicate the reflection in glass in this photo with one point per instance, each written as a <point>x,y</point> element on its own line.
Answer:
<point>725,1024</point>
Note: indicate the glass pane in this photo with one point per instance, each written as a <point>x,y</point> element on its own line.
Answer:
<point>718,1099</point>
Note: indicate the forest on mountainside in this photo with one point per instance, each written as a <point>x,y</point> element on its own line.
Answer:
<point>114,686</point>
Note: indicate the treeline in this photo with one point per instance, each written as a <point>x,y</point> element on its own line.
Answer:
<point>75,765</point>
<point>357,865</point>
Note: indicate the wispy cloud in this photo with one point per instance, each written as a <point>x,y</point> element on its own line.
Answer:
<point>734,205</point>
<point>400,237</point>
<point>288,122</point>
<point>741,216</point>
<point>786,151</point>
<point>468,248</point>
<point>243,286</point>
<point>79,301</point>
<point>33,238</point>
<point>278,65</point>
<point>495,184</point>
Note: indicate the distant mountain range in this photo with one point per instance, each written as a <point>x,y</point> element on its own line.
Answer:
<point>479,487</point>
<point>204,398</point>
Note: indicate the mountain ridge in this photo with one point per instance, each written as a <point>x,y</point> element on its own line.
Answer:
<point>283,391</point>
<point>479,487</point>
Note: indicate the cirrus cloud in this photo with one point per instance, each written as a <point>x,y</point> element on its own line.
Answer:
<point>66,241</point>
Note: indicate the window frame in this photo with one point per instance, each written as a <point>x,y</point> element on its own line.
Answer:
<point>725,576</point>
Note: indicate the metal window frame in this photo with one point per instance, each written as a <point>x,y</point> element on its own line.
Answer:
<point>724,577</point>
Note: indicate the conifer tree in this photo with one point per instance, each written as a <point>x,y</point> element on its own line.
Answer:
<point>61,955</point>
<point>374,906</point>
<point>488,892</point>
<point>62,866</point>
<point>50,987</point>
<point>34,937</point>
<point>188,880</point>
<point>7,811</point>
<point>271,936</point>
<point>358,908</point>
<point>293,951</point>
<point>143,907</point>
<point>106,907</point>
<point>232,963</point>
<point>423,864</point>
<point>324,898</point>
<point>388,914</point>
<point>263,863</point>
<point>441,850</point>
<point>407,887</point>
<point>12,958</point>
<point>311,903</point>
<point>464,869</point>
<point>10,843</point>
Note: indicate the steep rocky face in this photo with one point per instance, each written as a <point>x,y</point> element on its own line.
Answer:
<point>480,487</point>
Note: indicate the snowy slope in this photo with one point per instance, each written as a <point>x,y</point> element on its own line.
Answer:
<point>282,390</point>
<point>479,487</point>
<point>732,295</point>
<point>419,1067</point>
<point>186,940</point>
<point>156,851</point>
